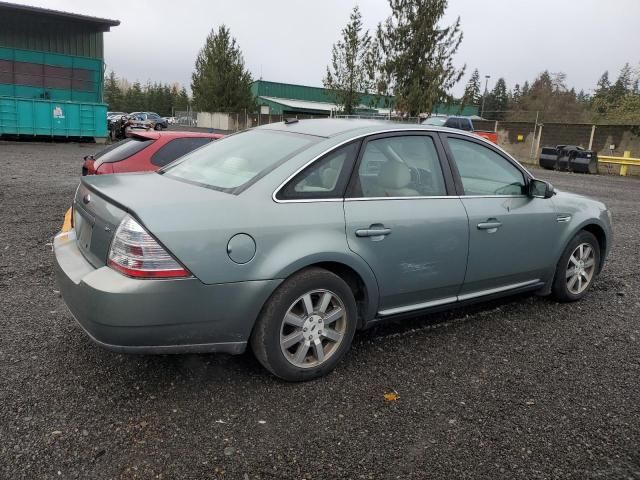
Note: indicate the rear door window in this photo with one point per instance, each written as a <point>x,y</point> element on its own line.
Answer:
<point>122,150</point>
<point>177,148</point>
<point>400,166</point>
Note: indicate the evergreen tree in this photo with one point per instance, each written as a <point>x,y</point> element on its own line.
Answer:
<point>471,94</point>
<point>525,88</point>
<point>582,97</point>
<point>113,96</point>
<point>516,94</point>
<point>600,102</point>
<point>348,77</point>
<point>135,98</point>
<point>622,86</point>
<point>220,81</point>
<point>497,102</point>
<point>603,84</point>
<point>183,99</point>
<point>418,54</point>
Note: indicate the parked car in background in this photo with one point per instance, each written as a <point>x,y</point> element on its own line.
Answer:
<point>466,124</point>
<point>145,151</point>
<point>114,117</point>
<point>147,121</point>
<point>283,238</point>
<point>170,120</point>
<point>115,114</point>
<point>436,120</point>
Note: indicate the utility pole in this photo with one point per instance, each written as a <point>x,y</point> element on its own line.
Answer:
<point>484,95</point>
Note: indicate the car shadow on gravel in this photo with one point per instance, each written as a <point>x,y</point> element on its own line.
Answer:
<point>218,369</point>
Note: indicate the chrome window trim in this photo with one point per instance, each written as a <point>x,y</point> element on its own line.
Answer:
<point>378,132</point>
<point>493,196</point>
<point>420,197</point>
<point>310,200</point>
<point>415,197</point>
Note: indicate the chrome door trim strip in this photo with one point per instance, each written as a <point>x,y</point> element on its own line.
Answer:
<point>459,298</point>
<point>417,306</point>
<point>482,293</point>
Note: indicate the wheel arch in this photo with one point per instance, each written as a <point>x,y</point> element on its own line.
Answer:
<point>359,278</point>
<point>600,234</point>
<point>597,230</point>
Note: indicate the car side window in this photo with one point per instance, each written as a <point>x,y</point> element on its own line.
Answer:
<point>325,178</point>
<point>177,148</point>
<point>399,166</point>
<point>483,171</point>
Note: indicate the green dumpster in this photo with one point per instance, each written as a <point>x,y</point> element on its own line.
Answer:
<point>51,94</point>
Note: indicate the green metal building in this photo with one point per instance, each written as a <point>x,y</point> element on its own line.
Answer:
<point>51,72</point>
<point>288,99</point>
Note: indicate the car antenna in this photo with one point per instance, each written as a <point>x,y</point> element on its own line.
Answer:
<point>287,121</point>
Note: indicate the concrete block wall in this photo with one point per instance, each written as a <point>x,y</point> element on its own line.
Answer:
<point>565,134</point>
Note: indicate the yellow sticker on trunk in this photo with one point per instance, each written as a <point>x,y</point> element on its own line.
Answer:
<point>66,224</point>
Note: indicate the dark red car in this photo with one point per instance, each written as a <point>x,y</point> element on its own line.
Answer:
<point>145,151</point>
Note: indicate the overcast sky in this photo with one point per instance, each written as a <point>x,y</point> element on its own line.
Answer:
<point>290,40</point>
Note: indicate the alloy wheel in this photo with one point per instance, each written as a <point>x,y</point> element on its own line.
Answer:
<point>313,328</point>
<point>580,269</point>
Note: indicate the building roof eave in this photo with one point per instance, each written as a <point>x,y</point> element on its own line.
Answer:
<point>104,23</point>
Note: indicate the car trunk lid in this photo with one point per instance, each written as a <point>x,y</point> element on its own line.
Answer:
<point>95,219</point>
<point>157,202</point>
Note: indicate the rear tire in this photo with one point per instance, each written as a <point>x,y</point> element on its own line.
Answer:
<point>577,268</point>
<point>306,327</point>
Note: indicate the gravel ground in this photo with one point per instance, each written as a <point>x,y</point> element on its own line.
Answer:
<point>521,388</point>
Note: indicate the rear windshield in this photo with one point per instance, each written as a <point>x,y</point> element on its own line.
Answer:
<point>121,150</point>
<point>234,162</point>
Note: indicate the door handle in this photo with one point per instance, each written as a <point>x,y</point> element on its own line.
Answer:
<point>491,225</point>
<point>373,232</point>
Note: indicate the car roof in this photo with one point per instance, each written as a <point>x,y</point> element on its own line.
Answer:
<point>330,127</point>
<point>155,135</point>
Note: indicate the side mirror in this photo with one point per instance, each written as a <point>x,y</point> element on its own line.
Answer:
<point>541,189</point>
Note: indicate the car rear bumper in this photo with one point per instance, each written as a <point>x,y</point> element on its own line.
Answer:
<point>156,316</point>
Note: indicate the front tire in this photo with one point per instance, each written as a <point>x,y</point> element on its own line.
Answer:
<point>306,326</point>
<point>577,268</point>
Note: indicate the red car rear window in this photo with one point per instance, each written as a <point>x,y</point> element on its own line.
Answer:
<point>123,149</point>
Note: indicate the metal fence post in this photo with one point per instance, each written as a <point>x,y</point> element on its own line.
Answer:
<point>533,138</point>
<point>593,133</point>
<point>538,141</point>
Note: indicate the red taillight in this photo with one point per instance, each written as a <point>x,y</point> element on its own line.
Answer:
<point>137,254</point>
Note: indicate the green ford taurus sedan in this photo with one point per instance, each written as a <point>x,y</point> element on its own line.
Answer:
<point>292,236</point>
